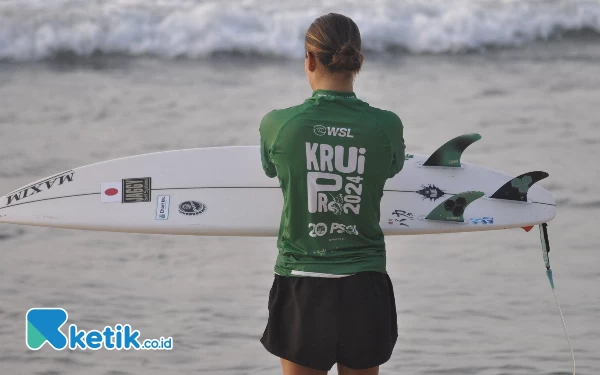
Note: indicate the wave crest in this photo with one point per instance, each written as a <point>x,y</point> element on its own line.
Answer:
<point>35,30</point>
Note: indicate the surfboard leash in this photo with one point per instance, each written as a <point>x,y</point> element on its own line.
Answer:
<point>545,251</point>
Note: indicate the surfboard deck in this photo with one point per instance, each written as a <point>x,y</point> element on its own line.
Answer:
<point>223,191</point>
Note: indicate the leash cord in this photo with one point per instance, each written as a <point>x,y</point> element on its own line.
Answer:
<point>545,251</point>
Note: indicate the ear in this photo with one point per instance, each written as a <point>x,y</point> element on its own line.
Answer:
<point>362,58</point>
<point>311,62</point>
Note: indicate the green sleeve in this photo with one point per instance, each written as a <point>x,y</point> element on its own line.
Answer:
<point>268,133</point>
<point>395,131</point>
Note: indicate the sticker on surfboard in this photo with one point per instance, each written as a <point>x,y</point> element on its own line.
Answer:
<point>162,207</point>
<point>191,208</point>
<point>137,190</point>
<point>110,192</point>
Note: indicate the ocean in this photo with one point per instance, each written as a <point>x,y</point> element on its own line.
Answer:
<point>87,81</point>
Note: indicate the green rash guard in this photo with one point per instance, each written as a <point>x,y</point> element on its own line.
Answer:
<point>332,155</point>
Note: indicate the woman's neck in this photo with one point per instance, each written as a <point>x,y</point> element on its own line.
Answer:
<point>335,82</point>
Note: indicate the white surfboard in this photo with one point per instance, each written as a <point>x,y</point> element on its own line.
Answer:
<point>224,191</point>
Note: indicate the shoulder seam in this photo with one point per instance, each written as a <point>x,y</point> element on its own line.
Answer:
<point>381,131</point>
<point>284,125</point>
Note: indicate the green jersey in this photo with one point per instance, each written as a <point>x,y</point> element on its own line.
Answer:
<point>332,155</point>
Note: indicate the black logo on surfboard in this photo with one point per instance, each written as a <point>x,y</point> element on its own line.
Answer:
<point>39,187</point>
<point>137,190</point>
<point>191,208</point>
<point>431,192</point>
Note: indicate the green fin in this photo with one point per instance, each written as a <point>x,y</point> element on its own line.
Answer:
<point>449,154</point>
<point>452,209</point>
<point>517,188</point>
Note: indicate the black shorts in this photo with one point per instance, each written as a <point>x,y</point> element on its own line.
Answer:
<point>317,322</point>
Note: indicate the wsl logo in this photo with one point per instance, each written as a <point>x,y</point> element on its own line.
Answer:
<point>321,130</point>
<point>43,325</point>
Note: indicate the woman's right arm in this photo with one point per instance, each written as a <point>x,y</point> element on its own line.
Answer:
<point>268,130</point>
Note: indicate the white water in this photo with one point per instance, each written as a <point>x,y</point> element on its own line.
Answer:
<point>38,29</point>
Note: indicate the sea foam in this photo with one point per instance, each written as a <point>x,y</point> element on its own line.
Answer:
<point>39,29</point>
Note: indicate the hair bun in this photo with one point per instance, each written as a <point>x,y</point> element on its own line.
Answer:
<point>347,50</point>
<point>347,57</point>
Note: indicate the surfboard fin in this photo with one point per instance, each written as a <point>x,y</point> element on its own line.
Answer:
<point>528,228</point>
<point>449,154</point>
<point>517,188</point>
<point>452,209</point>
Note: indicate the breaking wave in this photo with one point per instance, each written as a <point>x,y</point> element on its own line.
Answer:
<point>33,30</point>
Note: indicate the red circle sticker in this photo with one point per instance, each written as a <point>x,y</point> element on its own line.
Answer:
<point>112,191</point>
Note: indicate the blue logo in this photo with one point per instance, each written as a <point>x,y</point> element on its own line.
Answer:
<point>43,325</point>
<point>482,220</point>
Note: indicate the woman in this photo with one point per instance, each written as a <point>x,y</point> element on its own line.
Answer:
<point>332,300</point>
